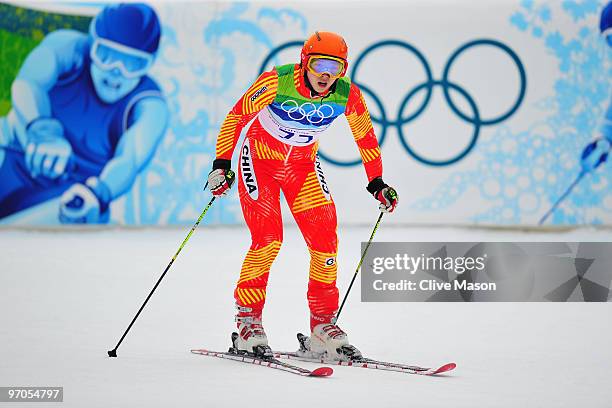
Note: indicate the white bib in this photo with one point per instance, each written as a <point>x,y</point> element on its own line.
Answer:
<point>290,135</point>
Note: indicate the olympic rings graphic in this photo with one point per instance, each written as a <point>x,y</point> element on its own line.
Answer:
<point>473,117</point>
<point>307,111</point>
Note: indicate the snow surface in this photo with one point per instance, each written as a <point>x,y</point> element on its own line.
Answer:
<point>66,298</point>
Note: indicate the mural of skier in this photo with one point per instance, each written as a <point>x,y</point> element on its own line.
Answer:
<point>86,118</point>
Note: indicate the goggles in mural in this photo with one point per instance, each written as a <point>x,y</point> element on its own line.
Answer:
<point>130,62</point>
<point>320,65</point>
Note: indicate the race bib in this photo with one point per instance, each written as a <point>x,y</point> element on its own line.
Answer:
<point>288,134</point>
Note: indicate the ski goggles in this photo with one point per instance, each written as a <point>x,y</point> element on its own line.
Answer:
<point>332,66</point>
<point>129,61</point>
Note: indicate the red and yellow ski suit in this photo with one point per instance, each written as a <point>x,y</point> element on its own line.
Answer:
<point>269,164</point>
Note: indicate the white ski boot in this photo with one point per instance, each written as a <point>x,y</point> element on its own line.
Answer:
<point>251,337</point>
<point>329,342</point>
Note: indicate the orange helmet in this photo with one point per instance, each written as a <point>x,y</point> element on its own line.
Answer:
<point>325,43</point>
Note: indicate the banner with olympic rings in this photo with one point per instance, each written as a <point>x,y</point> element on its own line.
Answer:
<point>496,116</point>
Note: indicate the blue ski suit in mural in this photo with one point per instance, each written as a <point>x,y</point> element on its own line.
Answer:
<point>86,118</point>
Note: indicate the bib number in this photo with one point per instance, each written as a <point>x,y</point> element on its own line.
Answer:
<point>295,137</point>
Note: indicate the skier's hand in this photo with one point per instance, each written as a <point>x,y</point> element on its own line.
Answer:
<point>595,154</point>
<point>387,196</point>
<point>85,203</point>
<point>221,178</point>
<point>47,152</point>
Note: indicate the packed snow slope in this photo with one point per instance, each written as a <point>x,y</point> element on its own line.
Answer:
<point>66,298</point>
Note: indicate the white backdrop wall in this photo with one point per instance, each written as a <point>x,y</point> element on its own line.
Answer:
<point>528,84</point>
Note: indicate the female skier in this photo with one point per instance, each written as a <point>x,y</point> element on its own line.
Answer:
<point>293,105</point>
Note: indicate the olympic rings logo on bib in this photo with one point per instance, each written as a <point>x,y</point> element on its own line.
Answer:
<point>308,110</point>
<point>283,131</point>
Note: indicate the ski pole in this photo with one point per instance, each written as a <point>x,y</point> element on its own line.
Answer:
<point>563,197</point>
<point>113,352</point>
<point>358,267</point>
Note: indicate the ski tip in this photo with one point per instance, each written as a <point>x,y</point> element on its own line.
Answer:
<point>322,372</point>
<point>445,368</point>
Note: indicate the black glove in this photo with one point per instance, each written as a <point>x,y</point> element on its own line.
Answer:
<point>221,177</point>
<point>382,192</point>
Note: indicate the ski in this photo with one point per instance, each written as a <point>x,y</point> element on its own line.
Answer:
<point>365,362</point>
<point>305,354</point>
<point>267,362</point>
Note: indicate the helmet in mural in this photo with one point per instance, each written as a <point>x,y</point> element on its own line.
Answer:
<point>125,39</point>
<point>134,25</point>
<point>327,44</point>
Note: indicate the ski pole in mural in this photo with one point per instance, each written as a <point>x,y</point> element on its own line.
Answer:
<point>597,151</point>
<point>86,118</point>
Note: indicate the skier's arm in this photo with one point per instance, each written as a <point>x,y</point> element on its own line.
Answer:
<point>257,97</point>
<point>59,53</point>
<point>89,202</point>
<point>136,146</point>
<point>360,123</point>
<point>47,152</point>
